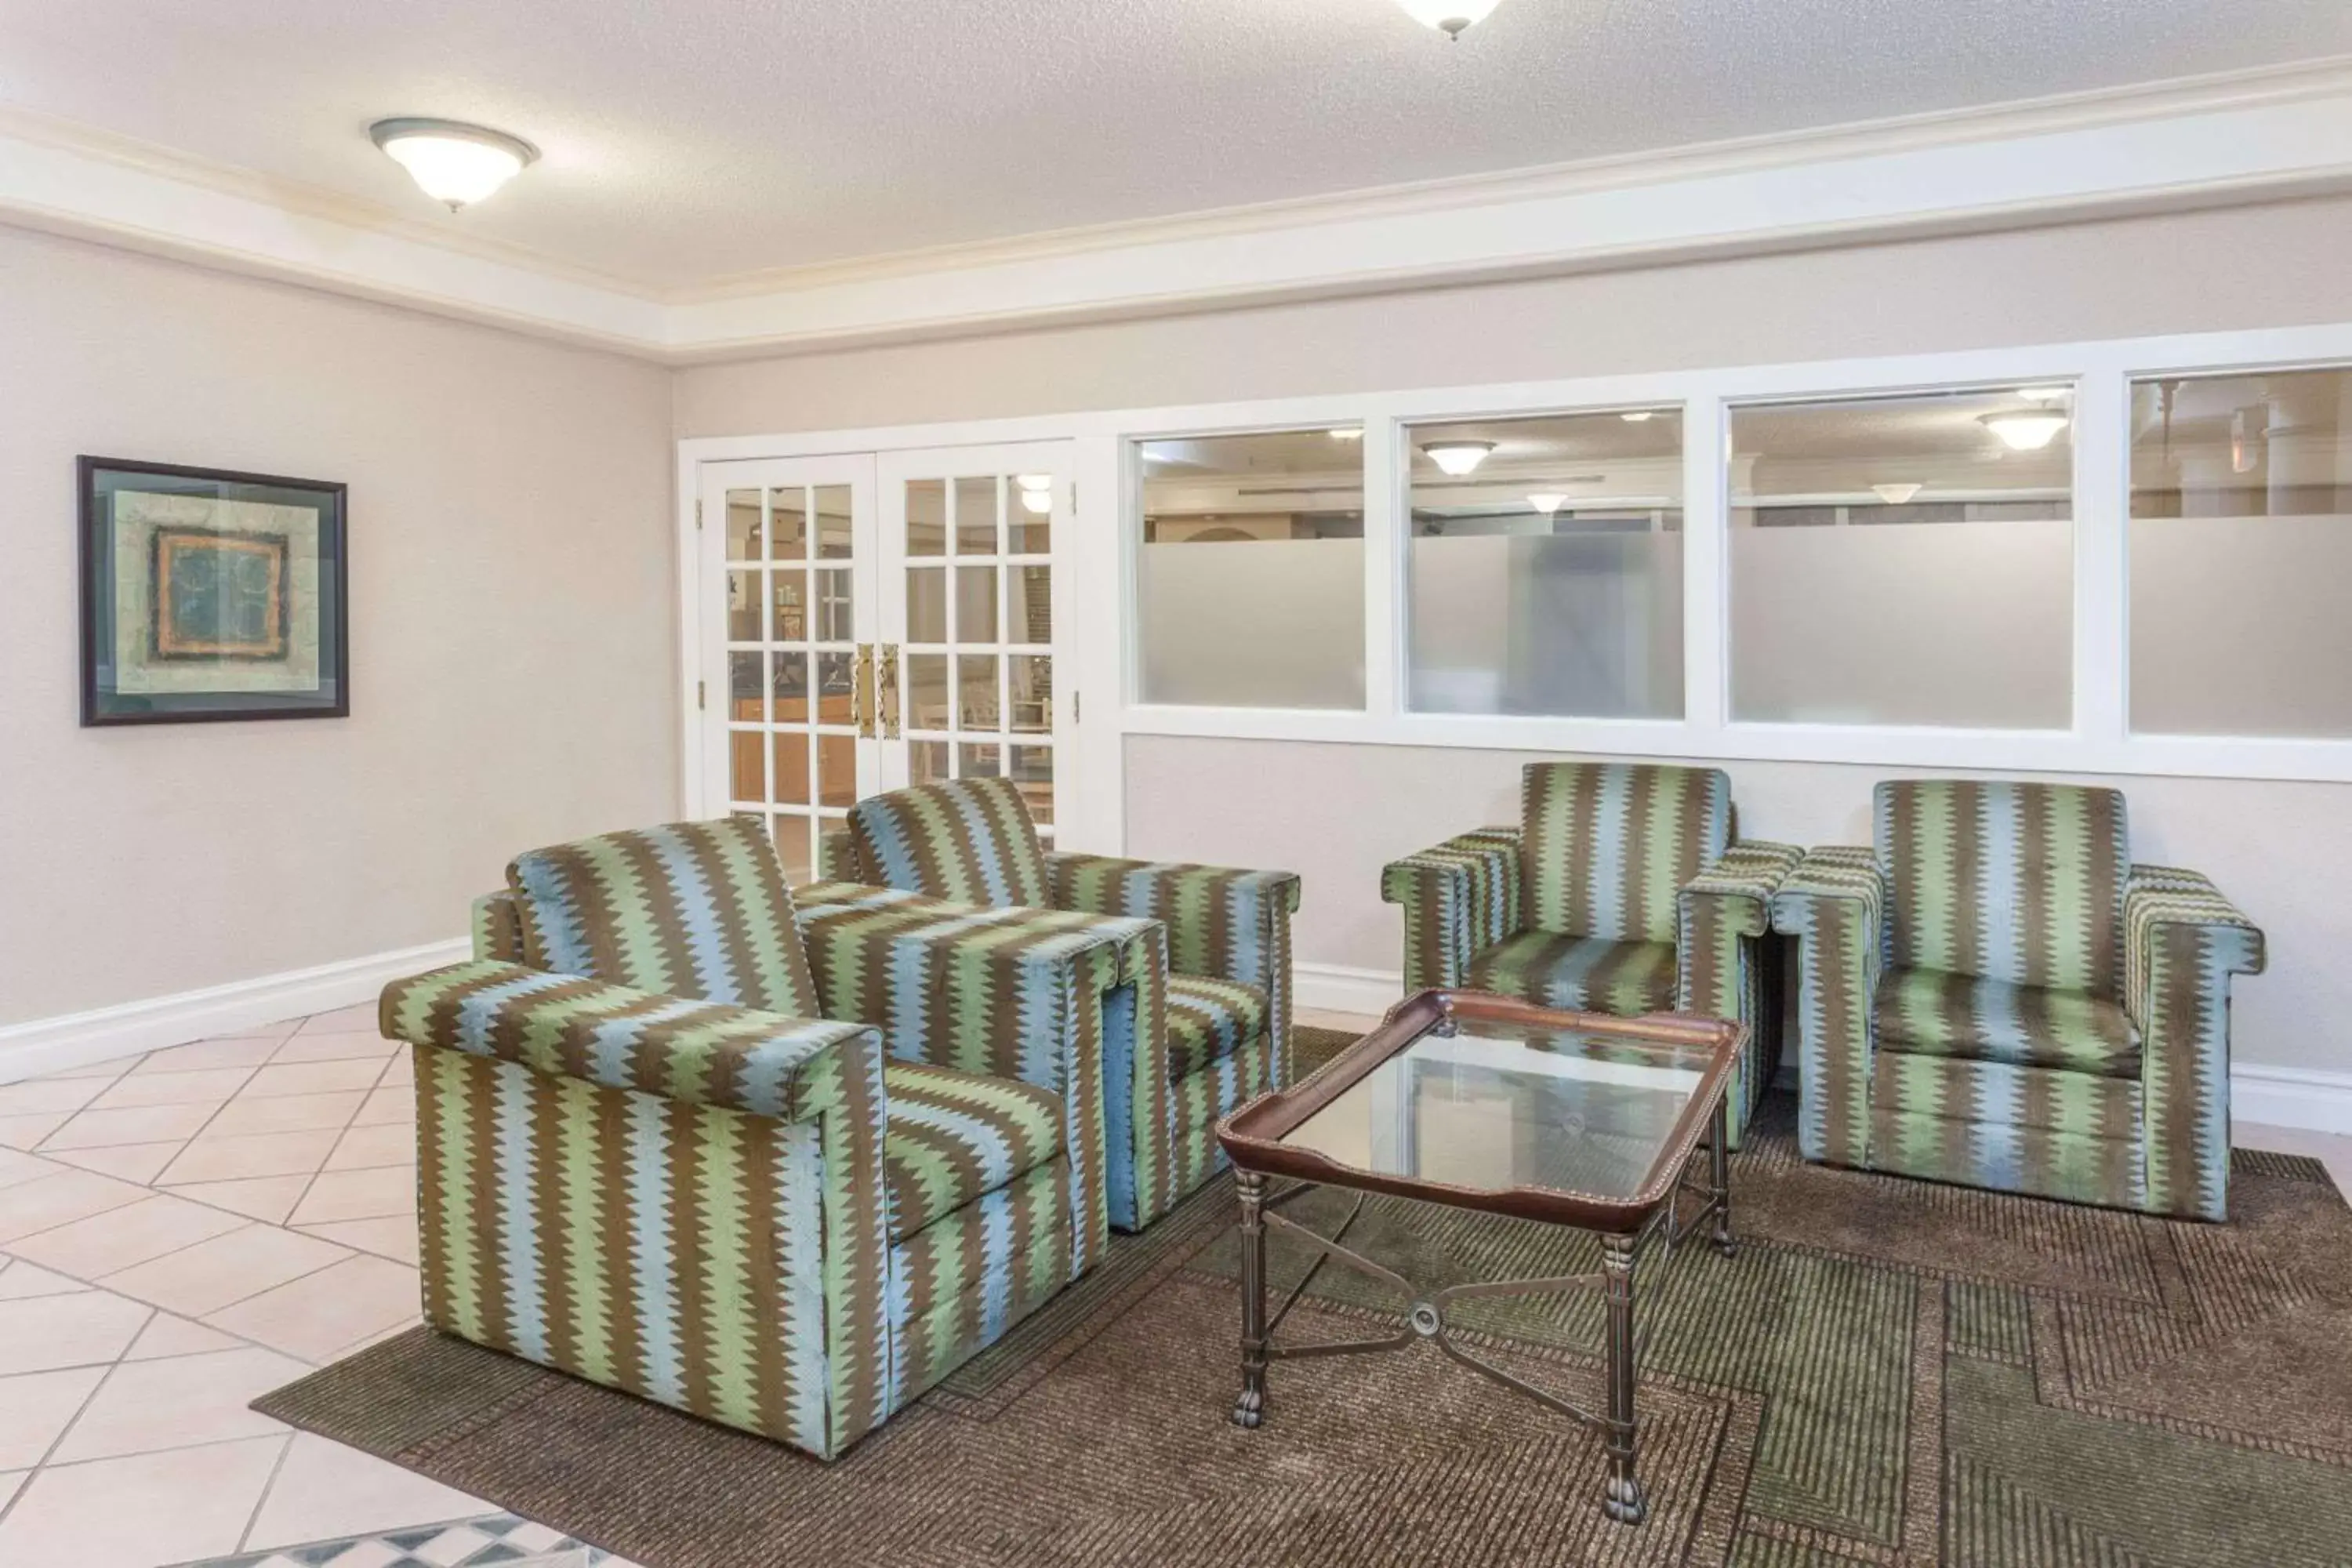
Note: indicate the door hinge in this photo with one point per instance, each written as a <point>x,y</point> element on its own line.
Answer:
<point>697,514</point>
<point>1077,705</point>
<point>701,694</point>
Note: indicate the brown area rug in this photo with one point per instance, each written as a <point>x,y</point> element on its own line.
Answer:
<point>1889,1372</point>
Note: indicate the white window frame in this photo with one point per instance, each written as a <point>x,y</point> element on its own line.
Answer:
<point>1106,540</point>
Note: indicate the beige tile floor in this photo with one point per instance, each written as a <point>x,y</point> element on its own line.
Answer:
<point>180,1231</point>
<point>185,1230</point>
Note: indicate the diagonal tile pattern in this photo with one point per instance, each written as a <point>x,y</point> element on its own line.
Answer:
<point>180,1231</point>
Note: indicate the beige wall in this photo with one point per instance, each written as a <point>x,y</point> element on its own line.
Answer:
<point>511,625</point>
<point>2281,850</point>
<point>2267,266</point>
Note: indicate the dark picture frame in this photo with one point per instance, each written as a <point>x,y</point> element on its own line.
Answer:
<point>211,594</point>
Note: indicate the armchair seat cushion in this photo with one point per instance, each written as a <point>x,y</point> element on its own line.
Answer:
<point>1927,1012</point>
<point>1209,1019</point>
<point>954,1138</point>
<point>1583,974</point>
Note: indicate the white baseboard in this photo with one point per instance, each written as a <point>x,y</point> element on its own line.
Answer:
<point>1337,988</point>
<point>2301,1098</point>
<point>74,1039</point>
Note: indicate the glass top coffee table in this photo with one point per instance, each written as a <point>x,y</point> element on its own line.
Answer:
<point>1485,1103</point>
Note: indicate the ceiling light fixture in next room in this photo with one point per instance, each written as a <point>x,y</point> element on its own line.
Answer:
<point>450,161</point>
<point>1451,17</point>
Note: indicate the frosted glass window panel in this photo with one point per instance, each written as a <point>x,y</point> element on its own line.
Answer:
<point>1589,625</point>
<point>1548,578</point>
<point>1251,580</point>
<point>1904,560</point>
<point>1275,625</point>
<point>2241,548</point>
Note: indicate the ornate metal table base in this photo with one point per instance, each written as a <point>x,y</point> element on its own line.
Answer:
<point>1426,1319</point>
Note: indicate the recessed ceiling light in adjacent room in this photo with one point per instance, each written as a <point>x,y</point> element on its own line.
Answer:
<point>1638,415</point>
<point>450,161</point>
<point>1457,458</point>
<point>1451,17</point>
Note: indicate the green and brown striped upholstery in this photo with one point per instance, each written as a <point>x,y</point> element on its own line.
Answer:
<point>1620,891</point>
<point>1583,974</point>
<point>787,1224</point>
<point>1994,995</point>
<point>1606,848</point>
<point>955,1137</point>
<point>680,1199</point>
<point>693,909</point>
<point>2016,882</point>
<point>968,841</point>
<point>1178,1041</point>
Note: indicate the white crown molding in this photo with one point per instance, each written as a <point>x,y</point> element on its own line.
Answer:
<point>76,1039</point>
<point>2244,137</point>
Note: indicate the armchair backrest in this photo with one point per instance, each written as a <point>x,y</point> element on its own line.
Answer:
<point>694,908</point>
<point>968,841</point>
<point>1605,847</point>
<point>2016,882</point>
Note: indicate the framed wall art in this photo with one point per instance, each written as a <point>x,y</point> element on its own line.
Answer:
<point>207,595</point>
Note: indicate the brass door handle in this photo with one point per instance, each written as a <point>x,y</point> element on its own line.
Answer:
<point>861,703</point>
<point>886,691</point>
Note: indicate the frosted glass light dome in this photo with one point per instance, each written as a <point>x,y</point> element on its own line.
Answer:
<point>453,162</point>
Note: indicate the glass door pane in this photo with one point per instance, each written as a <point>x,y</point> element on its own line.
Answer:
<point>789,726</point>
<point>969,532</point>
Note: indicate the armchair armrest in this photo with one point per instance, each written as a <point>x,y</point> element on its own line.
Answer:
<point>1234,924</point>
<point>1050,997</point>
<point>559,1120</point>
<point>2182,943</point>
<point>1722,914</point>
<point>698,1053</point>
<point>1458,896</point>
<point>1834,902</point>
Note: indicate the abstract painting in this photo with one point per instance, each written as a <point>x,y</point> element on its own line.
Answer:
<point>209,594</point>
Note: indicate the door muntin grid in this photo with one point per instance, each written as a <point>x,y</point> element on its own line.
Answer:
<point>793,621</point>
<point>976,666</point>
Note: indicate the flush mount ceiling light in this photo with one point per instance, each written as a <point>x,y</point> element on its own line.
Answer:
<point>1547,504</point>
<point>1349,433</point>
<point>450,161</point>
<point>1451,17</point>
<point>1457,458</point>
<point>2025,429</point>
<point>1638,415</point>
<point>1896,495</point>
<point>1036,492</point>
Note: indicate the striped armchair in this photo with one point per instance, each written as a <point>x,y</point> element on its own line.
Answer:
<point>1993,994</point>
<point>1622,890</point>
<point>783,1170</point>
<point>1202,1024</point>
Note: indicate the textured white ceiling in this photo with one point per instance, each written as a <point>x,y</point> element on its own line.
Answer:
<point>691,141</point>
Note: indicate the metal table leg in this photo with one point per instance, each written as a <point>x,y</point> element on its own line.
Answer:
<point>1624,1499</point>
<point>1250,1408</point>
<point>1719,1174</point>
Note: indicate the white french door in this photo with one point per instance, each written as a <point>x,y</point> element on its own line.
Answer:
<point>974,603</point>
<point>866,622</point>
<point>790,554</point>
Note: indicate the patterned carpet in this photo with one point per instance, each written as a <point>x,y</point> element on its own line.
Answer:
<point>1890,1372</point>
